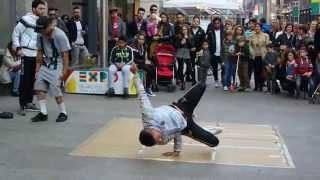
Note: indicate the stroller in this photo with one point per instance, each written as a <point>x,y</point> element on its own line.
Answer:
<point>165,62</point>
<point>315,96</point>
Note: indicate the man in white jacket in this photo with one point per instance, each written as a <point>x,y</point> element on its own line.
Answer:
<point>24,40</point>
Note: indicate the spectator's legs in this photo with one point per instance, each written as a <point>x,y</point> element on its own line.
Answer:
<point>83,54</point>
<point>243,74</point>
<point>193,66</point>
<point>298,85</point>
<point>27,81</point>
<point>314,82</point>
<point>214,64</point>
<point>250,69</point>
<point>15,76</point>
<point>258,68</point>
<point>112,70</point>
<point>126,76</point>
<point>180,69</point>
<point>203,75</point>
<point>190,69</point>
<point>150,74</point>
<point>75,55</point>
<point>228,73</point>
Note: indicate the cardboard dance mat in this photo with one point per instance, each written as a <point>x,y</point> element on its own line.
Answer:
<point>240,144</point>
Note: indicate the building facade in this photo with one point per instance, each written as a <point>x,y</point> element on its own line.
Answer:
<point>300,11</point>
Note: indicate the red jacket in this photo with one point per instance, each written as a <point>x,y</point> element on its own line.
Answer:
<point>303,65</point>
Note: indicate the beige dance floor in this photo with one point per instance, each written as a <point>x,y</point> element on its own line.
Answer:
<point>240,144</point>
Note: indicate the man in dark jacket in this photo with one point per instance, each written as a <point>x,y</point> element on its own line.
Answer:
<point>215,38</point>
<point>139,24</point>
<point>77,36</point>
<point>197,37</point>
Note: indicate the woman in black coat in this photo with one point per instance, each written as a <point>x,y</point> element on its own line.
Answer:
<point>287,39</point>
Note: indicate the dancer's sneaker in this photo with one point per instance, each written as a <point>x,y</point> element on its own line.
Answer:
<point>217,131</point>
<point>40,118</point>
<point>62,118</point>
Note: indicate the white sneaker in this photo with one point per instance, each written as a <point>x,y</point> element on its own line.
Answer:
<point>216,84</point>
<point>225,88</point>
<point>150,93</point>
<point>216,131</point>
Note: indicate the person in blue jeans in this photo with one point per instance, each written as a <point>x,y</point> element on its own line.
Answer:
<point>229,60</point>
<point>10,70</point>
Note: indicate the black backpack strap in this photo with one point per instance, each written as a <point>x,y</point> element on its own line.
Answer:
<point>26,24</point>
<point>42,46</point>
<point>55,54</point>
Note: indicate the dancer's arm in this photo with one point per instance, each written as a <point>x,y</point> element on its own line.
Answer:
<point>145,104</point>
<point>177,147</point>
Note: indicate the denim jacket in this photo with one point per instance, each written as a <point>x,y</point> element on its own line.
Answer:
<point>165,119</point>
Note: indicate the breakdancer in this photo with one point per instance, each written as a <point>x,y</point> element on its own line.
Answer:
<point>164,123</point>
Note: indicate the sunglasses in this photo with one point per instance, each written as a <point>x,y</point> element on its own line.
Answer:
<point>154,10</point>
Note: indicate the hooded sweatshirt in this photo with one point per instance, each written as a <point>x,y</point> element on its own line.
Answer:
<point>24,35</point>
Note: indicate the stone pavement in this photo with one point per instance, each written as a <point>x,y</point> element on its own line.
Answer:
<point>41,151</point>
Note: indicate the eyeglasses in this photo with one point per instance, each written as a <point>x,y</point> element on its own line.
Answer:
<point>154,10</point>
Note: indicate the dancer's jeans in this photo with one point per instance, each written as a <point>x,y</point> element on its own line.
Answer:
<point>187,104</point>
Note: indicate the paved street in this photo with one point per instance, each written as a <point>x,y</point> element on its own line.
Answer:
<point>40,151</point>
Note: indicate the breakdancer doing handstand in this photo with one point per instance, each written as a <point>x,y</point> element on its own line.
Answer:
<point>164,123</point>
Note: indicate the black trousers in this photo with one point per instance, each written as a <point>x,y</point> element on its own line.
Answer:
<point>27,81</point>
<point>181,73</point>
<point>250,69</point>
<point>150,73</point>
<point>258,69</point>
<point>216,60</point>
<point>187,104</point>
<point>191,64</point>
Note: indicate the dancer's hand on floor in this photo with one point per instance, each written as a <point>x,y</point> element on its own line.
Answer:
<point>171,154</point>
